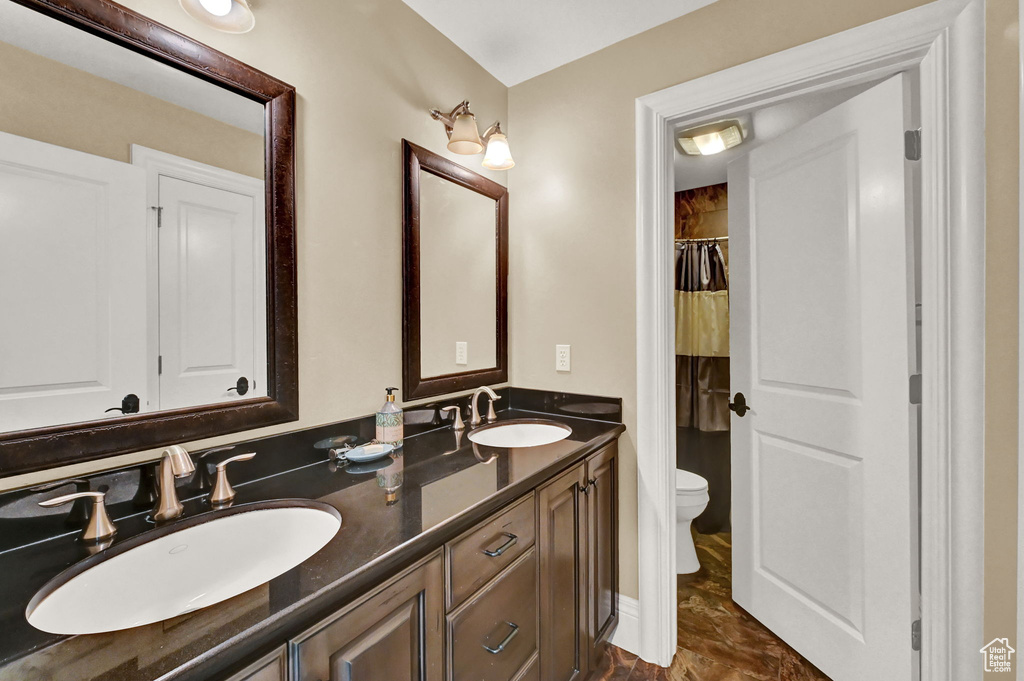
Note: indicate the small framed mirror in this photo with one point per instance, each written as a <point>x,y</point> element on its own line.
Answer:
<point>455,235</point>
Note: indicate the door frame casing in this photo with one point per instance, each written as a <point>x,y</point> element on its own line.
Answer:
<point>944,40</point>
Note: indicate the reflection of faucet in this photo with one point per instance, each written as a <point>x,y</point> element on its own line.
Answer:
<point>174,463</point>
<point>476,419</point>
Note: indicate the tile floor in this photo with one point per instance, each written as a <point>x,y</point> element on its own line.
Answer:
<point>718,641</point>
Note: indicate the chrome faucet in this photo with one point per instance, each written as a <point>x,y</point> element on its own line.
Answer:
<point>175,462</point>
<point>476,419</point>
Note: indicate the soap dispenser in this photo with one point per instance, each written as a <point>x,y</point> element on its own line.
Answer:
<point>390,421</point>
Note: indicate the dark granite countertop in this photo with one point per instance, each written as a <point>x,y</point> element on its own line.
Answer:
<point>446,489</point>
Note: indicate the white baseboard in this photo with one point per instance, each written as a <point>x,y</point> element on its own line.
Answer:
<point>627,632</point>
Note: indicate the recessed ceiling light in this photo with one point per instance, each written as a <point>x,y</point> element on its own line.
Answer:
<point>710,139</point>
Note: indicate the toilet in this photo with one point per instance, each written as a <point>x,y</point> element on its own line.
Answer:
<point>691,500</point>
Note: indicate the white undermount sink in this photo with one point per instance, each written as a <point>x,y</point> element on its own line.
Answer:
<point>181,567</point>
<point>521,433</point>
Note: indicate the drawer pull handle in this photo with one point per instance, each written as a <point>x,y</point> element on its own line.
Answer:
<point>503,644</point>
<point>512,539</point>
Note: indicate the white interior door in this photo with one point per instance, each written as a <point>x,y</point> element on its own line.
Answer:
<point>821,300</point>
<point>72,284</point>
<point>207,289</point>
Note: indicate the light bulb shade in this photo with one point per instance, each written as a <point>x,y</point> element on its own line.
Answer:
<point>498,156</point>
<point>465,137</point>
<point>705,142</point>
<point>237,17</point>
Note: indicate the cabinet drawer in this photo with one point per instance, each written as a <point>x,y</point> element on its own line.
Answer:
<point>495,633</point>
<point>475,557</point>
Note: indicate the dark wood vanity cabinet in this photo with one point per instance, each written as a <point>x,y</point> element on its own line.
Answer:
<point>527,594</point>
<point>397,633</point>
<point>578,548</point>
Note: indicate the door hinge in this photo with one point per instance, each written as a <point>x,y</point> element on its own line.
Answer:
<point>159,364</point>
<point>159,215</point>
<point>915,635</point>
<point>912,144</point>
<point>915,389</point>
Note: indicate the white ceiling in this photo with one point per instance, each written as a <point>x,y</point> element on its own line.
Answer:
<point>517,41</point>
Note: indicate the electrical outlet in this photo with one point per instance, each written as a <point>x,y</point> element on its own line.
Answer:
<point>563,357</point>
<point>461,352</point>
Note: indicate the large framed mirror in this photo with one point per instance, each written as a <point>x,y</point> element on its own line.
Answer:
<point>455,236</point>
<point>147,237</point>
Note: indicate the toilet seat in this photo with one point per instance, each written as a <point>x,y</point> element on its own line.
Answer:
<point>690,482</point>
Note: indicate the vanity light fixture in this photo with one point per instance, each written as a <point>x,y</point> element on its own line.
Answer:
<point>711,139</point>
<point>229,16</point>
<point>464,137</point>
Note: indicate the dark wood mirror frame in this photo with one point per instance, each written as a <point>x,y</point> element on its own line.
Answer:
<point>414,385</point>
<point>40,448</point>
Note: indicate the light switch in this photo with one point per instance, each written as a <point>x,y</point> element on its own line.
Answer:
<point>461,352</point>
<point>563,357</point>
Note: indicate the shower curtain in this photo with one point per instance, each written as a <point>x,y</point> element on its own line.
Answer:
<point>702,374</point>
<point>702,337</point>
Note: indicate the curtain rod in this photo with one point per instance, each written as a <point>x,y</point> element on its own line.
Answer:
<point>712,238</point>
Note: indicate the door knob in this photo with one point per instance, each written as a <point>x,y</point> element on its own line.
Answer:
<point>129,405</point>
<point>242,386</point>
<point>739,405</point>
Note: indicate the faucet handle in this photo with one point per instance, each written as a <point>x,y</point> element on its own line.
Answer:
<point>99,527</point>
<point>223,493</point>
<point>457,422</point>
<point>491,416</point>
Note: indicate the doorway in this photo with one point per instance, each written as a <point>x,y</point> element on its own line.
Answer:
<point>942,40</point>
<point>820,536</point>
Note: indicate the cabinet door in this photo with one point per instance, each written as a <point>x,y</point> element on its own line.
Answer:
<point>561,541</point>
<point>272,667</point>
<point>602,549</point>
<point>396,634</point>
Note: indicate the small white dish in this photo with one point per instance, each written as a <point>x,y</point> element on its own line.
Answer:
<point>368,452</point>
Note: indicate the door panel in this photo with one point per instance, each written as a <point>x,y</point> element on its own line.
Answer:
<point>395,634</point>
<point>208,331</point>
<point>821,299</point>
<point>72,284</point>
<point>561,548</point>
<point>602,549</point>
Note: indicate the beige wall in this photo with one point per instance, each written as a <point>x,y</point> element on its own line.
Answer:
<point>1001,273</point>
<point>366,73</point>
<point>52,102</point>
<point>574,214</point>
